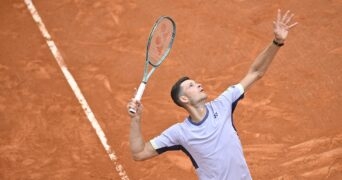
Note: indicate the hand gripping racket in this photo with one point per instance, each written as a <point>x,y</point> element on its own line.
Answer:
<point>158,47</point>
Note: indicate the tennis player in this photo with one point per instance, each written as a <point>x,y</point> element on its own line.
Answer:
<point>208,136</point>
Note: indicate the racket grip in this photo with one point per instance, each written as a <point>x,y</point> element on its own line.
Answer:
<point>138,95</point>
<point>140,91</point>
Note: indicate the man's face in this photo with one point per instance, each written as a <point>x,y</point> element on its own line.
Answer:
<point>193,92</point>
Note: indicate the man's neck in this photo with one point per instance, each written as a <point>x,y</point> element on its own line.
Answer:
<point>197,113</point>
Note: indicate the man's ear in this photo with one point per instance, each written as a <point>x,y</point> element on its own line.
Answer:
<point>184,99</point>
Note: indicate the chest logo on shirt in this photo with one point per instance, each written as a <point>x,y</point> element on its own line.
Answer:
<point>215,115</point>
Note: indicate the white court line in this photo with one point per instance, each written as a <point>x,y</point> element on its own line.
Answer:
<point>91,117</point>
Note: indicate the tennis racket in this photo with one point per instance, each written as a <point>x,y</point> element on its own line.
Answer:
<point>158,47</point>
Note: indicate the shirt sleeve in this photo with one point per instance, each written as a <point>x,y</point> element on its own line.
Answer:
<point>167,140</point>
<point>233,93</point>
<point>227,101</point>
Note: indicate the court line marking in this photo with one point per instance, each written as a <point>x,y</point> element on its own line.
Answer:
<point>90,115</point>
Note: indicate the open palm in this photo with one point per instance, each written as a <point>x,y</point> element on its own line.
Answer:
<point>282,25</point>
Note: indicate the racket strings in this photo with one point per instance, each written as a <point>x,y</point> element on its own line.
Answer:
<point>161,41</point>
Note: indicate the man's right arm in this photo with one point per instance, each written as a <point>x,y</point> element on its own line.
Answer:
<point>140,149</point>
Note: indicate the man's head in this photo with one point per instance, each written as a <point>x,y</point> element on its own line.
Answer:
<point>176,90</point>
<point>187,91</point>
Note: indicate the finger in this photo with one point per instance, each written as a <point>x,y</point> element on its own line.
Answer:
<point>292,25</point>
<point>131,106</point>
<point>135,92</point>
<point>278,16</point>
<point>137,103</point>
<point>289,19</point>
<point>285,16</point>
<point>132,102</point>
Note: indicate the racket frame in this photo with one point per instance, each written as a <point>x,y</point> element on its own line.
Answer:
<point>147,73</point>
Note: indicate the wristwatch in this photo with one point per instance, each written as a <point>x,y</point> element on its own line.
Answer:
<point>277,43</point>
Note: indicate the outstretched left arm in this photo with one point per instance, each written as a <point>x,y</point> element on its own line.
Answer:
<point>281,27</point>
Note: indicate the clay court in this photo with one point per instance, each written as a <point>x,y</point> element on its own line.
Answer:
<point>289,123</point>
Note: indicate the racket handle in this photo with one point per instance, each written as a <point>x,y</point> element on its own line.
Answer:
<point>140,91</point>
<point>138,95</point>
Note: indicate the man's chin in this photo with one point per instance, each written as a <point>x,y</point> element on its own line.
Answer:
<point>205,97</point>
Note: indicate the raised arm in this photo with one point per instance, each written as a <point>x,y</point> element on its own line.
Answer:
<point>140,149</point>
<point>281,27</point>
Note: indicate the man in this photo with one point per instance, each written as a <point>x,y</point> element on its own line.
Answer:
<point>208,135</point>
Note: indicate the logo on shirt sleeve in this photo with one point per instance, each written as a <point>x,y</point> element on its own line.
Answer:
<point>215,115</point>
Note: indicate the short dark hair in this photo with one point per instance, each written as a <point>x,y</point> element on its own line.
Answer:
<point>175,90</point>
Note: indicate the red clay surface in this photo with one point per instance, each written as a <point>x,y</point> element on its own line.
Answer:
<point>289,122</point>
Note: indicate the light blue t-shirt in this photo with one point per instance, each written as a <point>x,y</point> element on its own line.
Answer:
<point>212,144</point>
